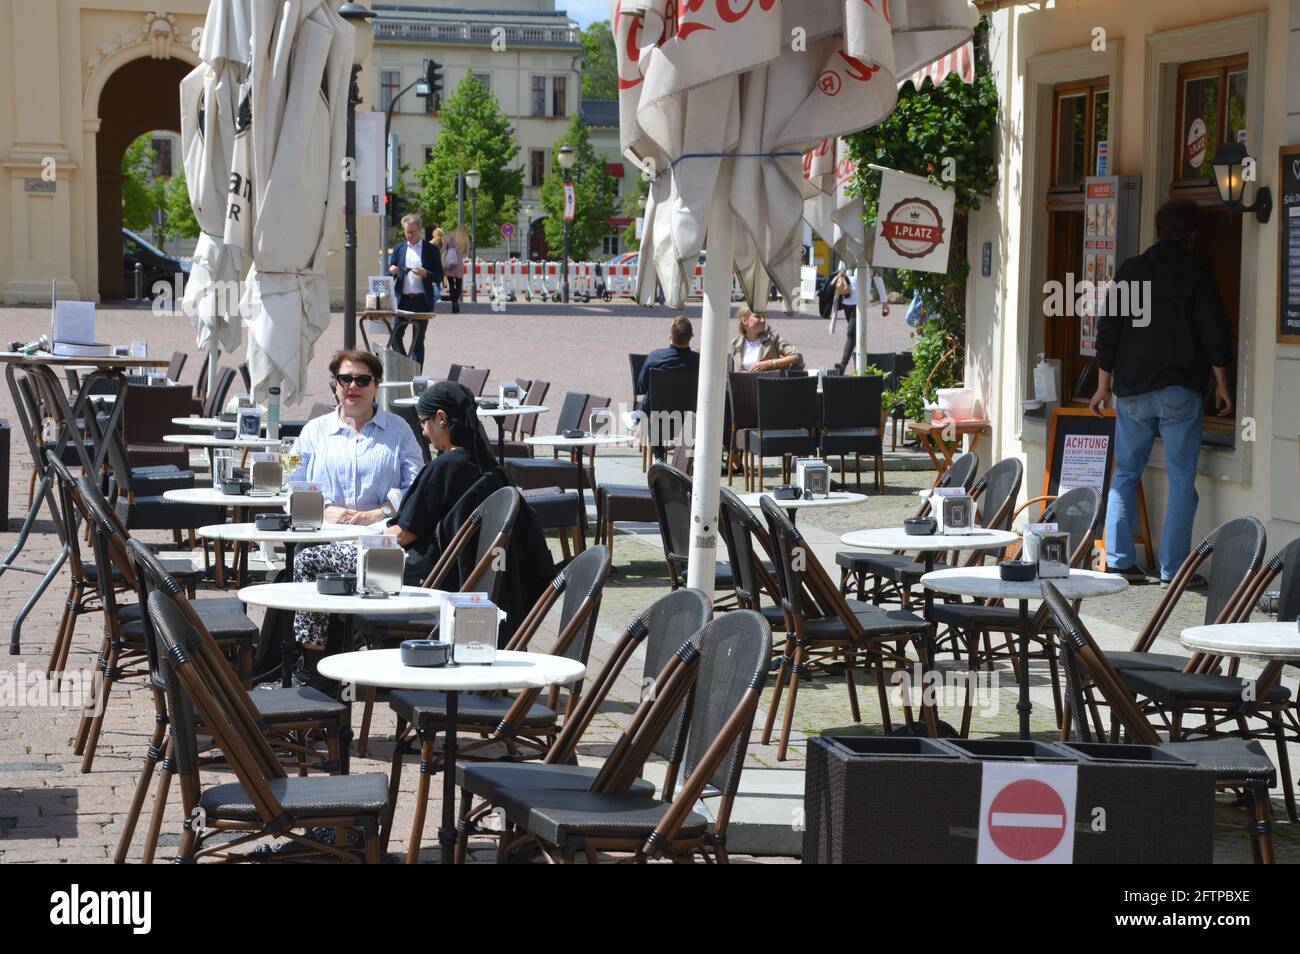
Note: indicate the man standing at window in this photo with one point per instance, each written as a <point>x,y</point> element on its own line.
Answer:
<point>417,268</point>
<point>1157,360</point>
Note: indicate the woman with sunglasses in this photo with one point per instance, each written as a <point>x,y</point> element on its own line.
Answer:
<point>363,457</point>
<point>449,419</point>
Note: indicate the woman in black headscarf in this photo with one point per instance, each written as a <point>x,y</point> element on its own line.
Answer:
<point>448,417</point>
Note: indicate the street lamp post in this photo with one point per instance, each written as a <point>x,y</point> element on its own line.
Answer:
<point>528,232</point>
<point>359,16</point>
<point>568,156</point>
<point>472,179</point>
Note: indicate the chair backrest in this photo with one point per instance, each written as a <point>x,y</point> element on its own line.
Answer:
<point>1288,603</point>
<point>176,640</point>
<point>1080,651</point>
<point>216,399</point>
<point>635,363</point>
<point>201,385</point>
<point>671,491</point>
<point>672,389</point>
<point>739,526</point>
<point>526,424</point>
<point>1078,513</point>
<point>852,401</point>
<point>961,472</point>
<point>996,492</point>
<point>177,365</point>
<point>789,555</point>
<point>787,403</point>
<point>1238,551</point>
<point>475,379</point>
<point>594,402</point>
<point>453,373</point>
<point>571,412</point>
<point>742,389</point>
<point>149,410</point>
<point>490,526</point>
<point>246,377</point>
<point>884,360</point>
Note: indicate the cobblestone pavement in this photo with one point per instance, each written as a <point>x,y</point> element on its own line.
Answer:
<point>50,811</point>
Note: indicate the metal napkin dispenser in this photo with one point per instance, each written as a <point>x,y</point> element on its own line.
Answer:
<point>265,476</point>
<point>509,395</point>
<point>469,622</point>
<point>813,477</point>
<point>381,564</point>
<point>306,509</point>
<point>954,512</point>
<point>1052,548</point>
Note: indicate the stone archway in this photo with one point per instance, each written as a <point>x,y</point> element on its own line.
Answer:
<point>140,95</point>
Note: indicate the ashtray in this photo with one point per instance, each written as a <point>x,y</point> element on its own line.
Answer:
<point>224,434</point>
<point>236,488</point>
<point>272,521</point>
<point>785,492</point>
<point>227,417</point>
<point>487,404</point>
<point>919,526</point>
<point>336,584</point>
<point>574,432</point>
<point>425,652</point>
<point>1017,571</point>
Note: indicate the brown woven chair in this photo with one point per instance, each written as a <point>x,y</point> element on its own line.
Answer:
<point>475,379</point>
<point>1240,765</point>
<point>176,366</point>
<point>147,418</point>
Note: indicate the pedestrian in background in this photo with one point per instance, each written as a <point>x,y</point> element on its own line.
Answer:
<point>439,240</point>
<point>846,287</point>
<point>416,266</point>
<point>454,266</point>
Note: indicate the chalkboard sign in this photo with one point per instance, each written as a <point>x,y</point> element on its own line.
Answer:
<point>1288,270</point>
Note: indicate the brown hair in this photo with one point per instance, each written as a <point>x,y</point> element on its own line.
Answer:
<point>437,237</point>
<point>1177,219</point>
<point>357,356</point>
<point>681,332</point>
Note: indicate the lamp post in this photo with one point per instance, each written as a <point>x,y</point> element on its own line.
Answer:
<point>359,16</point>
<point>528,211</point>
<point>472,179</point>
<point>1229,162</point>
<point>568,156</point>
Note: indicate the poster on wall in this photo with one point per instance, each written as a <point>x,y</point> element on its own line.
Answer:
<point>914,228</point>
<point>1288,271</point>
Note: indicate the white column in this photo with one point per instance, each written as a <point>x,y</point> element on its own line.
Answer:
<point>860,328</point>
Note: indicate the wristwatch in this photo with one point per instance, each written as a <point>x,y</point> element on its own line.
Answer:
<point>389,510</point>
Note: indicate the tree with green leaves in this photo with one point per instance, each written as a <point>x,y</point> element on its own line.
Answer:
<point>181,222</point>
<point>475,134</point>
<point>142,194</point>
<point>632,209</point>
<point>597,200</point>
<point>600,62</point>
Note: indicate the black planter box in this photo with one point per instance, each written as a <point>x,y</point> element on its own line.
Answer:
<point>872,800</point>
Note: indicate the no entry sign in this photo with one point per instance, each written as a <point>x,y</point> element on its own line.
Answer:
<point>1027,814</point>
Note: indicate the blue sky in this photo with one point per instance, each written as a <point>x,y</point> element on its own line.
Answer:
<point>586,11</point>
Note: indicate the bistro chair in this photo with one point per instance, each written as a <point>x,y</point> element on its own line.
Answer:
<point>671,398</point>
<point>454,372</point>
<point>903,364</point>
<point>521,725</point>
<point>751,576</point>
<point>718,675</point>
<point>147,418</point>
<point>671,492</point>
<point>538,473</point>
<point>742,397</point>
<point>851,423</point>
<point>176,366</point>
<point>1240,765</point>
<point>475,379</point>
<point>787,423</point>
<point>262,802</point>
<point>658,632</point>
<point>215,402</point>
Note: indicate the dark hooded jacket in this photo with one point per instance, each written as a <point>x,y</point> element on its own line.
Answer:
<point>1187,331</point>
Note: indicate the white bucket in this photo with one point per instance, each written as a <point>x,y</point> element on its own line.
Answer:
<point>957,403</point>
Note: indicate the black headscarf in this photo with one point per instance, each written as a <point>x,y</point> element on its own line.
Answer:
<point>459,404</point>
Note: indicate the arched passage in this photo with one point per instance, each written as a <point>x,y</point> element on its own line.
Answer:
<point>141,95</point>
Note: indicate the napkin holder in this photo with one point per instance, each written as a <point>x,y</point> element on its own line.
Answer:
<point>469,622</point>
<point>1053,555</point>
<point>250,423</point>
<point>419,384</point>
<point>425,652</point>
<point>600,422</point>
<point>785,492</point>
<point>955,513</point>
<point>380,567</point>
<point>306,509</point>
<point>265,476</point>
<point>813,477</point>
<point>509,395</point>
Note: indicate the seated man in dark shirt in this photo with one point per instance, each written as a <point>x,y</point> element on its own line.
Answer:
<point>677,355</point>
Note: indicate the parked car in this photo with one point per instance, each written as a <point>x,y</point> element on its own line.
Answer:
<point>156,265</point>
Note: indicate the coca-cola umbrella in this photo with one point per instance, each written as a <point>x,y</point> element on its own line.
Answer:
<point>719,100</point>
<point>293,174</point>
<point>209,101</point>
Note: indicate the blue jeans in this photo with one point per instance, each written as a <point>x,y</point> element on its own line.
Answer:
<point>1175,414</point>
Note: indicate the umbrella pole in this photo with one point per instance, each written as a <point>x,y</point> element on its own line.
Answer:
<point>713,370</point>
<point>213,351</point>
<point>860,326</point>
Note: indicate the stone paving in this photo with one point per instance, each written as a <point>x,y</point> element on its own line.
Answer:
<point>51,812</point>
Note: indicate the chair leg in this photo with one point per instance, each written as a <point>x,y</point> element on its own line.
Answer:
<point>151,759</point>
<point>394,781</point>
<point>421,799</point>
<point>781,674</point>
<point>366,713</point>
<point>1284,770</point>
<point>160,807</point>
<point>787,722</point>
<point>1261,823</point>
<point>857,470</point>
<point>850,663</point>
<point>99,707</point>
<point>564,543</point>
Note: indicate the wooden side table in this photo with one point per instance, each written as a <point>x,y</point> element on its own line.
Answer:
<point>940,449</point>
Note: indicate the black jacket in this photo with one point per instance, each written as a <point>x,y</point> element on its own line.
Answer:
<point>1183,329</point>
<point>430,261</point>
<point>670,357</point>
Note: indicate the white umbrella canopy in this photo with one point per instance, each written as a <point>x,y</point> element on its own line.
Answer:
<point>833,211</point>
<point>719,99</point>
<point>209,100</point>
<point>299,73</point>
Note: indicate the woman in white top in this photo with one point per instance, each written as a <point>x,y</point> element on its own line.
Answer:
<point>759,348</point>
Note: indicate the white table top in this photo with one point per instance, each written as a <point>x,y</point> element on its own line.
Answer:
<point>985,581</point>
<point>1262,640</point>
<point>398,384</point>
<point>383,667</point>
<point>512,411</point>
<point>894,538</point>
<point>211,496</point>
<point>837,498</point>
<point>412,600</point>
<point>590,440</point>
<point>82,361</point>
<point>204,423</point>
<point>248,533</point>
<point>207,440</point>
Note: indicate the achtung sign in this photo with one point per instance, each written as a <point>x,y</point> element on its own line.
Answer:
<point>914,224</point>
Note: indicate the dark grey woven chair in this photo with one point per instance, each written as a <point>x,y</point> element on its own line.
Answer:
<point>671,492</point>
<point>671,398</point>
<point>751,575</point>
<point>215,401</point>
<point>787,423</point>
<point>824,628</point>
<point>262,802</point>
<point>859,566</point>
<point>475,379</point>
<point>521,725</point>
<point>176,366</point>
<point>1240,765</point>
<point>742,401</point>
<point>851,424</point>
<point>534,473</point>
<point>730,667</point>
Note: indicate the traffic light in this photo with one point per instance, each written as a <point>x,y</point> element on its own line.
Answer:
<point>433,77</point>
<point>396,206</point>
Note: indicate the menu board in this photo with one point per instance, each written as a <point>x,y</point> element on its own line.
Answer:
<point>1288,324</point>
<point>1110,223</point>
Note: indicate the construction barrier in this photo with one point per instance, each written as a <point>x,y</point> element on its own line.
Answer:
<point>517,280</point>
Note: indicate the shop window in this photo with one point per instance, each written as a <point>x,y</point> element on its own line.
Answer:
<point>538,96</point>
<point>390,81</point>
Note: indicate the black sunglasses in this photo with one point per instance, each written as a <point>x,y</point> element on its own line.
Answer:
<point>360,380</point>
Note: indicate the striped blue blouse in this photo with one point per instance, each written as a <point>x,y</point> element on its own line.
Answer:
<point>358,470</point>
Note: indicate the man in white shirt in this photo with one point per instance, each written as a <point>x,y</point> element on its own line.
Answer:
<point>850,305</point>
<point>416,266</point>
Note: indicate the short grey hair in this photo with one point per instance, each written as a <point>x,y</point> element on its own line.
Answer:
<point>412,219</point>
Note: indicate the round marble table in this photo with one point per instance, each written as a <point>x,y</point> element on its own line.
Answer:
<point>499,414</point>
<point>578,445</point>
<point>241,533</point>
<point>204,423</point>
<point>383,667</point>
<point>212,497</point>
<point>985,581</point>
<point>210,442</point>
<point>836,498</point>
<point>1273,641</point>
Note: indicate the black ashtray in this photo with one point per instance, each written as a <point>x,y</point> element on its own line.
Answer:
<point>336,584</point>
<point>224,434</point>
<point>1018,571</point>
<point>425,652</point>
<point>236,488</point>
<point>272,521</point>
<point>785,492</point>
<point>488,404</point>
<point>919,526</point>
<point>228,418</point>
<point>574,432</point>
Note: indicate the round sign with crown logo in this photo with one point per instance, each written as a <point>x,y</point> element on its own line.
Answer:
<point>913,228</point>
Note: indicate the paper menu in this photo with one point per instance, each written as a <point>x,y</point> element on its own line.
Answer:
<point>74,322</point>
